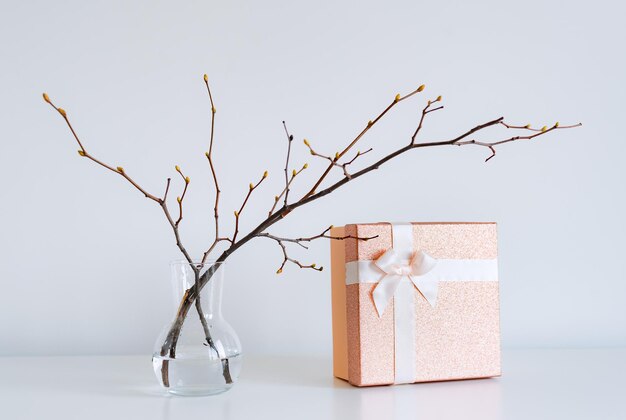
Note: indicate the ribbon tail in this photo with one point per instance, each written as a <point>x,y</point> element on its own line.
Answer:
<point>429,288</point>
<point>404,333</point>
<point>384,291</point>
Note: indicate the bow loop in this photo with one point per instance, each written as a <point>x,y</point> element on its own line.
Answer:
<point>422,263</point>
<point>388,261</point>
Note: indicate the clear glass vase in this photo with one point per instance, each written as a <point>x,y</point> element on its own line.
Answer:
<point>205,358</point>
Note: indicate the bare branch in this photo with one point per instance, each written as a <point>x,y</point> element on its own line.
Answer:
<point>324,234</point>
<point>369,125</point>
<point>452,142</point>
<point>83,152</point>
<point>174,225</point>
<point>182,310</point>
<point>119,170</point>
<point>300,241</point>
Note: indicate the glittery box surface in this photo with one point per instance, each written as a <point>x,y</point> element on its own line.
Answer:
<point>459,338</point>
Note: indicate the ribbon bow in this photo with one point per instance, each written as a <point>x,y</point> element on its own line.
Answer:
<point>396,268</point>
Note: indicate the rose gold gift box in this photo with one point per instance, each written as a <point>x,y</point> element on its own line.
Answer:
<point>457,338</point>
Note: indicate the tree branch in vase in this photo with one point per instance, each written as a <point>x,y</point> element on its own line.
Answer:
<point>276,213</point>
<point>174,224</point>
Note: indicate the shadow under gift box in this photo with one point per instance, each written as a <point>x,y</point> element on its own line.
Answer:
<point>458,338</point>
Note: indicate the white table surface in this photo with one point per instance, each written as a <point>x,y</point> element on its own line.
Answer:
<point>536,384</point>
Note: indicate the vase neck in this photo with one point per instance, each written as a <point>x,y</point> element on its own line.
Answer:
<point>185,276</point>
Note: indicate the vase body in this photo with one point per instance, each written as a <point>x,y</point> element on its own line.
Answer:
<point>206,358</point>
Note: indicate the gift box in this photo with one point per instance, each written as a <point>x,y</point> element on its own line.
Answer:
<point>415,302</point>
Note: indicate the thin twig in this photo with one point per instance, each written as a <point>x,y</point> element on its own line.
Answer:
<point>180,199</point>
<point>491,145</point>
<point>245,201</point>
<point>217,239</point>
<point>344,166</point>
<point>294,174</point>
<point>358,154</point>
<point>167,188</point>
<point>528,126</point>
<point>333,161</point>
<point>427,110</point>
<point>289,141</point>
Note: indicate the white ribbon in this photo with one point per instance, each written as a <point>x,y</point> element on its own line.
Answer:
<point>400,270</point>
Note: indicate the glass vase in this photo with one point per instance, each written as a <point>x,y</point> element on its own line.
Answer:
<point>205,358</point>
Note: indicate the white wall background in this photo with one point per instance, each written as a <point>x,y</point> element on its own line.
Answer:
<point>84,257</point>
